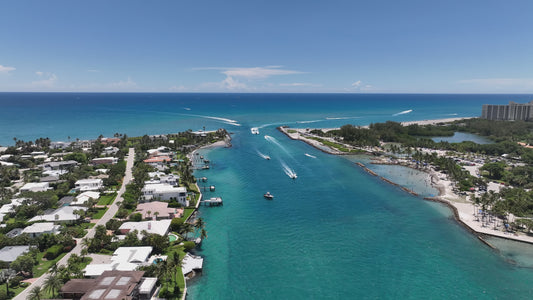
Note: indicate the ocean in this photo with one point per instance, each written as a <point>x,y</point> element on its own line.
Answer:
<point>333,233</point>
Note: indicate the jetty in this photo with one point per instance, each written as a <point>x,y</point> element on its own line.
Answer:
<point>215,201</point>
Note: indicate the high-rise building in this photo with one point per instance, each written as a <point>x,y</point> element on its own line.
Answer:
<point>511,112</point>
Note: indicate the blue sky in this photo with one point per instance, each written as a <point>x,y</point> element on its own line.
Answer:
<point>267,46</point>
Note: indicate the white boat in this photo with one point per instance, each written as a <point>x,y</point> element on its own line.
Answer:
<point>293,176</point>
<point>254,130</point>
<point>268,196</point>
<point>267,157</point>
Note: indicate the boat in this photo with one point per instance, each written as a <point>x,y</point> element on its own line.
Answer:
<point>267,157</point>
<point>268,196</point>
<point>293,176</point>
<point>254,130</point>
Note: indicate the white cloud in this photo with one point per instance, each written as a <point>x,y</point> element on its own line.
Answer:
<point>5,69</point>
<point>128,84</point>
<point>48,82</point>
<point>300,84</point>
<point>235,75</point>
<point>356,84</point>
<point>175,88</point>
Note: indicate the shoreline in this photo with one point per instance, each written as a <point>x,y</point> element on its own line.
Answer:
<point>224,143</point>
<point>463,210</point>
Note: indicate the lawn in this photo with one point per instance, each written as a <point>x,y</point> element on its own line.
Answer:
<point>187,212</point>
<point>13,291</point>
<point>99,213</point>
<point>107,199</point>
<point>44,264</point>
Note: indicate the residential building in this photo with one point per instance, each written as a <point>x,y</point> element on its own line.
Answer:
<point>64,214</point>
<point>110,150</point>
<point>59,145</point>
<point>104,160</point>
<point>160,177</point>
<point>37,229</point>
<point>10,253</point>
<point>511,112</point>
<point>111,285</point>
<point>83,185</point>
<point>82,198</point>
<point>158,210</point>
<point>59,165</point>
<point>158,227</point>
<point>123,259</point>
<point>164,192</point>
<point>35,187</point>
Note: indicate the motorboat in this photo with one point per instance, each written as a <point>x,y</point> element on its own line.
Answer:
<point>268,196</point>
<point>254,130</point>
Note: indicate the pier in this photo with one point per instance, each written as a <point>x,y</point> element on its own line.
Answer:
<point>215,201</point>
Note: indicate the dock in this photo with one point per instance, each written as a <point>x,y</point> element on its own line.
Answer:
<point>215,201</point>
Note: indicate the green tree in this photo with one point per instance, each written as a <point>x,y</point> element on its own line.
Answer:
<point>35,293</point>
<point>52,283</point>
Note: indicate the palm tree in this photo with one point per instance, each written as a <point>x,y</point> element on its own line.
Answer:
<point>156,214</point>
<point>35,293</point>
<point>52,284</point>
<point>148,213</point>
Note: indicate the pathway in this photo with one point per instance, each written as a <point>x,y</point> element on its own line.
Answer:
<point>106,217</point>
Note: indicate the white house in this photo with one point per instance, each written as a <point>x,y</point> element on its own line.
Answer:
<point>165,192</point>
<point>157,227</point>
<point>35,187</point>
<point>83,185</point>
<point>59,165</point>
<point>82,198</point>
<point>160,177</point>
<point>37,229</point>
<point>10,253</point>
<point>62,214</point>
<point>110,150</point>
<point>123,259</point>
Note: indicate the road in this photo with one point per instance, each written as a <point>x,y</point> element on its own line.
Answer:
<point>113,208</point>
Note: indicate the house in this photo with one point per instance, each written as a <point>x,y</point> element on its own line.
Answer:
<point>160,177</point>
<point>158,227</point>
<point>109,141</point>
<point>123,259</point>
<point>110,150</point>
<point>158,210</point>
<point>35,187</point>
<point>157,160</point>
<point>63,214</point>
<point>10,253</point>
<point>111,285</point>
<point>82,198</point>
<point>59,145</point>
<point>10,207</point>
<point>59,165</point>
<point>83,185</point>
<point>37,229</point>
<point>164,192</point>
<point>104,160</point>
<point>191,263</point>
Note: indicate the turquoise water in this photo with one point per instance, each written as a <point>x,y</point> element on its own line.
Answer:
<point>335,232</point>
<point>461,137</point>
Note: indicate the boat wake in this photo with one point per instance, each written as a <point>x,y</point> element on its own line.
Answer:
<point>403,112</point>
<point>307,122</point>
<point>341,118</point>
<point>290,172</point>
<point>273,140</point>
<point>309,155</point>
<point>263,155</point>
<point>223,120</point>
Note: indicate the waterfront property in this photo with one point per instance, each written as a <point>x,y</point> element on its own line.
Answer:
<point>165,192</point>
<point>123,259</point>
<point>158,210</point>
<point>511,112</point>
<point>158,227</point>
<point>110,285</point>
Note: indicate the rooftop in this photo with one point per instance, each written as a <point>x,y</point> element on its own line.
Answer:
<point>10,253</point>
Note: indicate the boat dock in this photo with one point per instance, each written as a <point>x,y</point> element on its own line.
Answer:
<point>215,201</point>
